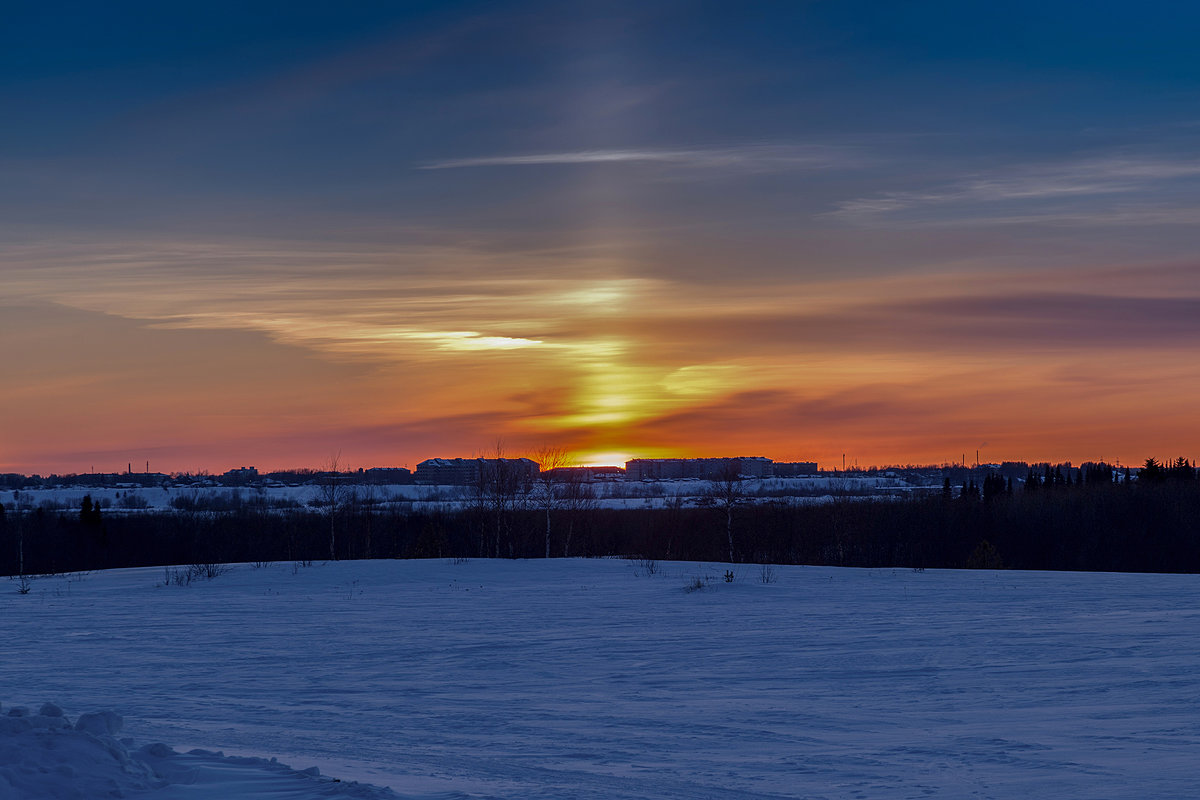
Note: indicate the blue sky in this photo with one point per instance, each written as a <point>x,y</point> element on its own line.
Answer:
<point>193,111</point>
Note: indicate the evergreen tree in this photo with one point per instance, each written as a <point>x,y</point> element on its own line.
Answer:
<point>993,487</point>
<point>1181,470</point>
<point>89,512</point>
<point>1151,471</point>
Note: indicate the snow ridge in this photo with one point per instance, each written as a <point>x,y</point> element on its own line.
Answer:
<point>44,756</point>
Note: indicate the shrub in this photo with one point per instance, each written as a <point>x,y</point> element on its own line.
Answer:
<point>647,566</point>
<point>985,556</point>
<point>133,501</point>
<point>194,572</point>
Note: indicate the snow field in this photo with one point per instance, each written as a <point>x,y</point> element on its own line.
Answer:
<point>616,494</point>
<point>594,679</point>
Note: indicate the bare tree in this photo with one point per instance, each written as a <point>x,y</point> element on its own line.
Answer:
<point>21,554</point>
<point>551,461</point>
<point>369,499</point>
<point>502,485</point>
<point>725,492</point>
<point>334,492</point>
<point>577,497</point>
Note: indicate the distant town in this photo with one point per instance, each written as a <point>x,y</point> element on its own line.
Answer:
<point>471,471</point>
<point>738,509</point>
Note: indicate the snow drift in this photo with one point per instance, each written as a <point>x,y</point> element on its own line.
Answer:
<point>44,756</point>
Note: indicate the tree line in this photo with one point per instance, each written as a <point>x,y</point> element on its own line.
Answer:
<point>1096,521</point>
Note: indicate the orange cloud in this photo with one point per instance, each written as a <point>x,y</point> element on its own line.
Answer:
<point>214,354</point>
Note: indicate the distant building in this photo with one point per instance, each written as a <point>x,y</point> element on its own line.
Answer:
<point>388,475</point>
<point>792,469</point>
<point>448,471</point>
<point>654,469</point>
<point>584,474</point>
<point>474,471</point>
<point>649,469</point>
<point>753,466</point>
<point>514,472</point>
<point>240,475</point>
<point>120,479</point>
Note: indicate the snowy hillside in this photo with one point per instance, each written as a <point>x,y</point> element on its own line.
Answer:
<point>609,494</point>
<point>604,679</point>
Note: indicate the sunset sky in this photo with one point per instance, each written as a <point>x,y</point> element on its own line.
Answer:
<point>267,233</point>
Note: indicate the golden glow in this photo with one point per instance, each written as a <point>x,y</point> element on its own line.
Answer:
<point>128,351</point>
<point>605,459</point>
<point>467,340</point>
<point>702,380</point>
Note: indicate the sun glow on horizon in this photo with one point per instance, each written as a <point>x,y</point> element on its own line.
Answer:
<point>612,459</point>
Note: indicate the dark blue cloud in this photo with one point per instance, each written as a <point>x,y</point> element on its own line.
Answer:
<point>285,117</point>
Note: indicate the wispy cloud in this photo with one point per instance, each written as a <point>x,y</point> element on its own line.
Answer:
<point>743,157</point>
<point>1023,187</point>
<point>1032,324</point>
<point>1123,215</point>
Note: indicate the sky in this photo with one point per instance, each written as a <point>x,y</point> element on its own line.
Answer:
<point>275,233</point>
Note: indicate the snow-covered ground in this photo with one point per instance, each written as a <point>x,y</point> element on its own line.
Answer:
<point>605,679</point>
<point>608,494</point>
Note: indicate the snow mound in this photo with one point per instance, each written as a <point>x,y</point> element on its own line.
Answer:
<point>44,756</point>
